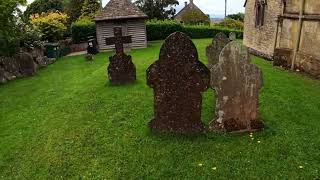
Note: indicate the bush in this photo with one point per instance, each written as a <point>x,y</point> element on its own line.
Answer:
<point>81,29</point>
<point>232,24</point>
<point>52,25</point>
<point>158,30</point>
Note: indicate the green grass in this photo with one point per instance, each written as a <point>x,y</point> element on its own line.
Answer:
<point>69,122</point>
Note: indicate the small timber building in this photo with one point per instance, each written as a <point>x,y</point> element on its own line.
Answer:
<point>286,31</point>
<point>125,14</point>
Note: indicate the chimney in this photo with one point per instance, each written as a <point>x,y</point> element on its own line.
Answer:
<point>185,4</point>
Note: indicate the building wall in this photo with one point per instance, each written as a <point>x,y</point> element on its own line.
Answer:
<point>134,28</point>
<point>262,39</point>
<point>308,54</point>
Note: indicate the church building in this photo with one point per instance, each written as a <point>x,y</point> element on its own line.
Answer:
<point>286,31</point>
<point>121,13</point>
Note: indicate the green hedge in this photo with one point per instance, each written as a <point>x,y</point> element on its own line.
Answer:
<point>158,30</point>
<point>81,29</point>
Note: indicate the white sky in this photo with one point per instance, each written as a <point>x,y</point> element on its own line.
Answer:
<point>213,7</point>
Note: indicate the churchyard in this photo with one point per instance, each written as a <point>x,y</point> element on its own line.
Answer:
<point>69,121</point>
<point>137,90</point>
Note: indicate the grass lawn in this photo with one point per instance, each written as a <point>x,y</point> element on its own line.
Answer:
<point>69,122</point>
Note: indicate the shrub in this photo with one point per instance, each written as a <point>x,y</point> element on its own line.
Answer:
<point>158,30</point>
<point>52,25</point>
<point>232,24</point>
<point>81,29</point>
<point>30,38</point>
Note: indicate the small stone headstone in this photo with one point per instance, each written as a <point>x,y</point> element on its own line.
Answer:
<point>213,50</point>
<point>232,36</point>
<point>237,84</point>
<point>26,63</point>
<point>121,69</point>
<point>178,79</point>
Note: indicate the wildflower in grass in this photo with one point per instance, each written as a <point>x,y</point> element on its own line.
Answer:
<point>251,135</point>
<point>252,139</point>
<point>259,142</point>
<point>200,164</point>
<point>301,167</point>
<point>214,168</point>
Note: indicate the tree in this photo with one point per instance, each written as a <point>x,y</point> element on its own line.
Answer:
<point>52,25</point>
<point>73,9</point>
<point>239,17</point>
<point>90,8</point>
<point>9,29</point>
<point>43,6</point>
<point>158,9</point>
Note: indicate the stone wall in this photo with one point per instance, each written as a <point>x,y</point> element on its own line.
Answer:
<point>23,64</point>
<point>262,38</point>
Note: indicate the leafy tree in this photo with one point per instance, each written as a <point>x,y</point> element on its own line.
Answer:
<point>158,9</point>
<point>231,24</point>
<point>239,17</point>
<point>52,25</point>
<point>9,29</point>
<point>90,8</point>
<point>43,6</point>
<point>73,9</point>
<point>194,16</point>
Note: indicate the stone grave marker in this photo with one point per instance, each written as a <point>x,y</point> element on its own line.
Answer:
<point>178,79</point>
<point>237,84</point>
<point>214,49</point>
<point>232,36</point>
<point>121,69</point>
<point>26,63</point>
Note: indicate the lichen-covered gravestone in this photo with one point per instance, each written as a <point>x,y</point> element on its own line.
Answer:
<point>237,84</point>
<point>213,50</point>
<point>121,69</point>
<point>178,79</point>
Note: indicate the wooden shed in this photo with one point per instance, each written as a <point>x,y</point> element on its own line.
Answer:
<point>125,14</point>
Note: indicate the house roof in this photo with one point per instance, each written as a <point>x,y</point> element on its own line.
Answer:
<point>120,9</point>
<point>191,6</point>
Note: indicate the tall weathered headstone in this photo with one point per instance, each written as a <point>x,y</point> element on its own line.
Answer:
<point>178,79</point>
<point>237,84</point>
<point>121,69</point>
<point>213,50</point>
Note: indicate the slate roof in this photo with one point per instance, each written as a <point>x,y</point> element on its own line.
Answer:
<point>120,9</point>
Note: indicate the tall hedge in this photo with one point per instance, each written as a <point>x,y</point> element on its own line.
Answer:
<point>159,30</point>
<point>81,29</point>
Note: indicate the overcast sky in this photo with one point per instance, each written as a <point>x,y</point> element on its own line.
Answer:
<point>213,7</point>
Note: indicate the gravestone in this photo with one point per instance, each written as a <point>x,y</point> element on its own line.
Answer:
<point>237,84</point>
<point>121,69</point>
<point>232,36</point>
<point>26,63</point>
<point>178,79</point>
<point>213,50</point>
